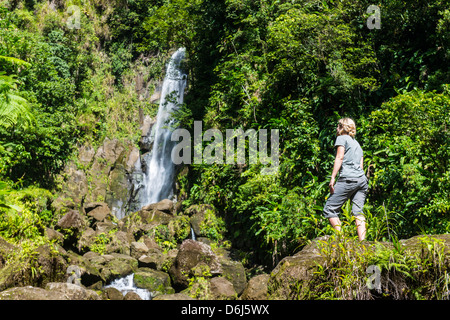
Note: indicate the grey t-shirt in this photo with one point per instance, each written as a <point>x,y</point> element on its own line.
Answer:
<point>351,165</point>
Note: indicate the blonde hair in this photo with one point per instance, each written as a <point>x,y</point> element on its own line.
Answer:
<point>346,126</point>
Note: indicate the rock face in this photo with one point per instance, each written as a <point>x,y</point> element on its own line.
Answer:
<point>102,175</point>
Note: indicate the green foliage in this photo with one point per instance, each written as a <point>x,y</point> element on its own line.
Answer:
<point>100,241</point>
<point>299,67</point>
<point>170,24</point>
<point>14,110</point>
<point>26,214</point>
<point>407,149</point>
<point>403,274</point>
<point>168,236</point>
<point>293,66</point>
<point>212,227</point>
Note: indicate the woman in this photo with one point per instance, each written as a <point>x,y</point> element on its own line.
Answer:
<point>352,183</point>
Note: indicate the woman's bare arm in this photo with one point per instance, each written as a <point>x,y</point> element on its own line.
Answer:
<point>337,165</point>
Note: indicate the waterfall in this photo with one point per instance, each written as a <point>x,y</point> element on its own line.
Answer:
<point>155,182</point>
<point>126,284</point>
<point>159,174</point>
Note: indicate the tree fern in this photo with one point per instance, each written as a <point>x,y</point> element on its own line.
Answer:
<point>16,61</point>
<point>14,109</point>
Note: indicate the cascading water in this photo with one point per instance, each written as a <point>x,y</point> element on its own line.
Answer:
<point>126,284</point>
<point>158,178</point>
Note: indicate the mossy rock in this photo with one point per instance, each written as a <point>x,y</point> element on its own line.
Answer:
<point>155,217</point>
<point>179,228</point>
<point>121,264</point>
<point>153,280</point>
<point>292,277</point>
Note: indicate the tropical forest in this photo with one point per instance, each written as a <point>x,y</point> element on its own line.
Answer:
<point>118,125</point>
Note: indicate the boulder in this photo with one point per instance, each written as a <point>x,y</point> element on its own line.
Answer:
<point>107,236</point>
<point>105,227</point>
<point>131,295</point>
<point>234,271</point>
<point>120,265</point>
<point>54,235</point>
<point>97,210</point>
<point>155,217</point>
<point>190,255</point>
<point>71,291</point>
<point>156,259</point>
<point>87,238</point>
<point>30,293</point>
<point>293,277</point>
<point>179,228</point>
<point>137,249</point>
<point>71,220</point>
<point>111,293</point>
<point>222,289</point>
<point>52,291</point>
<point>164,205</point>
<point>295,271</point>
<point>153,280</point>
<point>256,288</point>
<point>5,249</point>
<point>37,268</point>
<point>198,215</point>
<point>419,244</point>
<point>153,258</point>
<point>120,243</point>
<point>150,242</point>
<point>105,268</point>
<point>51,264</point>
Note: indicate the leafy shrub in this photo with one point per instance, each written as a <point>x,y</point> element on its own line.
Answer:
<point>406,144</point>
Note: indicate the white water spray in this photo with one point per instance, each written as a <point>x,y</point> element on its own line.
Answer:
<point>159,176</point>
<point>126,284</point>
